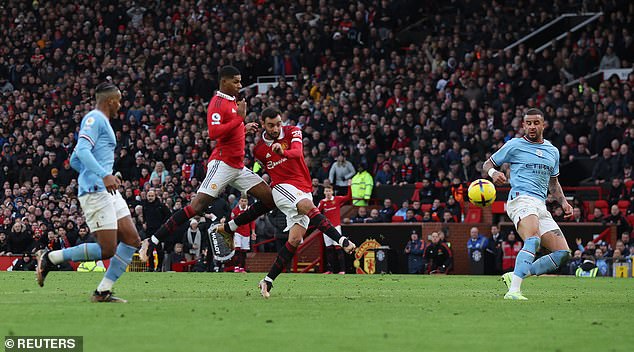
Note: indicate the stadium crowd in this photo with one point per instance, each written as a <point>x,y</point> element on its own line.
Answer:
<point>429,111</point>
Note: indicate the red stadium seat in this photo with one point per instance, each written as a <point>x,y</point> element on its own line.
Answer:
<point>498,207</point>
<point>425,207</point>
<point>603,205</point>
<point>418,218</point>
<point>397,218</point>
<point>623,205</point>
<point>474,215</point>
<point>418,185</point>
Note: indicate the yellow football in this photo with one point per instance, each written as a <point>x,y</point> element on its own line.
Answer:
<point>481,192</point>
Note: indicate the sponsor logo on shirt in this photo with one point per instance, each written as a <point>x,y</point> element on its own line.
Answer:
<point>272,164</point>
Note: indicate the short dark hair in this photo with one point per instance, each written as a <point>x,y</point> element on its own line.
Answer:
<point>270,112</point>
<point>228,72</point>
<point>105,87</point>
<point>534,111</point>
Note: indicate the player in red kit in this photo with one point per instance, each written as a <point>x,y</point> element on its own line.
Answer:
<point>225,121</point>
<point>242,236</point>
<point>281,153</point>
<point>331,208</point>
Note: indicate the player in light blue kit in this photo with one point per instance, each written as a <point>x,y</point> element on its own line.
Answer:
<point>534,170</point>
<point>106,212</point>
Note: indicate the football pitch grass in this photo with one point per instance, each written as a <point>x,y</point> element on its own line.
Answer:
<point>308,312</point>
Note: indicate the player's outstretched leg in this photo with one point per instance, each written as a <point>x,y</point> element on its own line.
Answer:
<point>48,260</point>
<point>197,207</point>
<point>523,264</point>
<point>122,258</point>
<point>555,241</point>
<point>251,214</point>
<point>320,222</point>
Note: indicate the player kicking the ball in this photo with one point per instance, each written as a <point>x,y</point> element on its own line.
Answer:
<point>107,214</point>
<point>281,153</point>
<point>534,170</point>
<point>225,121</point>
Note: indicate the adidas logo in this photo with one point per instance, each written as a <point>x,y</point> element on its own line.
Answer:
<point>233,111</point>
<point>268,155</point>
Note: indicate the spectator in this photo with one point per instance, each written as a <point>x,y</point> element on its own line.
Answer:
<point>361,186</point>
<point>374,216</point>
<point>414,251</point>
<point>154,214</point>
<point>577,215</point>
<point>438,256</point>
<point>4,245</point>
<point>619,246</point>
<point>361,217</point>
<point>21,239</point>
<point>476,242</point>
<point>447,217</point>
<point>605,168</point>
<point>192,241</point>
<point>340,173</point>
<point>601,262</point>
<point>403,210</point>
<point>409,216</point>
<point>617,191</point>
<point>177,256</point>
<point>627,242</point>
<point>26,263</point>
<point>495,246</point>
<point>264,231</point>
<point>84,236</point>
<point>609,60</point>
<point>159,172</point>
<point>574,262</point>
<point>597,214</point>
<point>616,218</point>
<point>387,212</point>
<point>385,175</point>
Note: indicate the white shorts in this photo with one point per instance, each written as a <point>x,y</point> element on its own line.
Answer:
<point>242,242</point>
<point>286,197</point>
<point>220,175</point>
<point>523,206</point>
<point>103,209</point>
<point>329,241</point>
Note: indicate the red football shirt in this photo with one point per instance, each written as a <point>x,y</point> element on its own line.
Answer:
<point>331,208</point>
<point>227,128</point>
<point>289,168</point>
<point>242,230</point>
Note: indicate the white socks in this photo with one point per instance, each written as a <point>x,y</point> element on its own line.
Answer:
<point>105,285</point>
<point>516,283</point>
<point>56,257</point>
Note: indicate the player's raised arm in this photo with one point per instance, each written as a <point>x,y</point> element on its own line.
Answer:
<point>498,177</point>
<point>297,148</point>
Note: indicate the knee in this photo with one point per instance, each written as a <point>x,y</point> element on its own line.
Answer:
<point>135,242</point>
<point>107,252</point>
<point>294,240</point>
<point>561,256</point>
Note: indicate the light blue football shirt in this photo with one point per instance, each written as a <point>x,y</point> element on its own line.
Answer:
<point>93,156</point>
<point>532,166</point>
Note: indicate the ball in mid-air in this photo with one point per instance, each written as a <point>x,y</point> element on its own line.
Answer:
<point>481,192</point>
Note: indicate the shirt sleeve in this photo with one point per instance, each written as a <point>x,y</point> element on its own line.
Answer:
<point>555,172</point>
<point>220,124</point>
<point>88,135</point>
<point>296,149</point>
<point>503,154</point>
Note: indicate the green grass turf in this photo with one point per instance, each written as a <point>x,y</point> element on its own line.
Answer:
<point>224,312</point>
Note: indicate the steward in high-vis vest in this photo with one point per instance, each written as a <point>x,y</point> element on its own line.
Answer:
<point>362,184</point>
<point>587,269</point>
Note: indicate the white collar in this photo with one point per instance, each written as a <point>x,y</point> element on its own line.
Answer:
<point>270,141</point>
<point>225,96</point>
<point>239,207</point>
